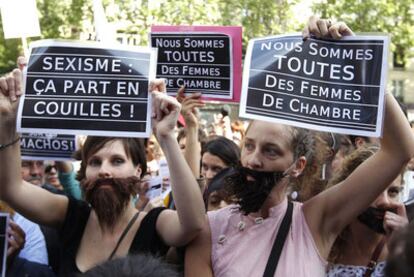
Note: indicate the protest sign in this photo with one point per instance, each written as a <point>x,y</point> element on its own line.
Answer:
<point>163,170</point>
<point>335,86</point>
<point>47,146</point>
<point>4,223</point>
<point>204,59</point>
<point>87,88</point>
<point>154,187</point>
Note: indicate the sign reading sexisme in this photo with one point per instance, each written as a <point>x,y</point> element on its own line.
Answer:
<point>87,89</point>
<point>201,59</point>
<point>335,86</point>
<point>47,146</point>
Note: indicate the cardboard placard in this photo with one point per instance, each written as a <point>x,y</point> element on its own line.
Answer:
<point>154,187</point>
<point>204,59</point>
<point>333,86</point>
<point>87,88</point>
<point>47,147</point>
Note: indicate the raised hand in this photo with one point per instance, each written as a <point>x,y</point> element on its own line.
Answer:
<point>189,104</point>
<point>16,239</point>
<point>165,110</point>
<point>10,90</point>
<point>325,28</point>
<point>395,221</point>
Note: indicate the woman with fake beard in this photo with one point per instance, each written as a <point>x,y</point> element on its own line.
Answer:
<point>265,235</point>
<point>361,248</point>
<point>111,226</point>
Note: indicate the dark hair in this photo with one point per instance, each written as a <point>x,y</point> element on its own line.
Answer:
<point>134,149</point>
<point>225,110</point>
<point>400,261</point>
<point>225,149</point>
<point>182,133</point>
<point>131,266</point>
<point>217,183</point>
<point>49,168</point>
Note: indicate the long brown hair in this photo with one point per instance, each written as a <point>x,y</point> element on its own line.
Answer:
<point>350,163</point>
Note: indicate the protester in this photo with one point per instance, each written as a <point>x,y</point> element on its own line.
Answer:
<point>361,248</point>
<point>217,154</point>
<point>237,240</point>
<point>51,177</point>
<point>328,151</point>
<point>109,172</point>
<point>26,247</point>
<point>216,195</point>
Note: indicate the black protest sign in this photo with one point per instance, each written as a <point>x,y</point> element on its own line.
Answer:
<point>202,62</point>
<point>4,223</point>
<point>87,89</point>
<point>335,86</point>
<point>47,146</point>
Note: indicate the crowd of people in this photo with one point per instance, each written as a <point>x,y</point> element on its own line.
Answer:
<point>265,200</point>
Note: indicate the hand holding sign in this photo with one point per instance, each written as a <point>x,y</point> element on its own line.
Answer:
<point>165,111</point>
<point>16,240</point>
<point>10,91</point>
<point>324,28</point>
<point>321,84</point>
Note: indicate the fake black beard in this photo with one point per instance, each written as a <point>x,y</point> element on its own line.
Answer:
<point>373,218</point>
<point>251,194</point>
<point>109,197</point>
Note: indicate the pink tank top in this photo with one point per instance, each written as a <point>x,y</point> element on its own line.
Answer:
<point>241,244</point>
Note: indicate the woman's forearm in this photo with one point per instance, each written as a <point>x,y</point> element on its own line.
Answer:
<point>187,195</point>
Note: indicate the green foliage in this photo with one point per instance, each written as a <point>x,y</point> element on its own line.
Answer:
<point>395,17</point>
<point>58,19</point>
<point>67,19</point>
<point>258,18</point>
<point>9,51</point>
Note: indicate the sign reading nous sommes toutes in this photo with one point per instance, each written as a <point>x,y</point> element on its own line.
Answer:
<point>47,146</point>
<point>335,86</point>
<point>87,88</point>
<point>204,59</point>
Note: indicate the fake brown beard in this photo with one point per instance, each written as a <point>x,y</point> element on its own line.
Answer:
<point>109,197</point>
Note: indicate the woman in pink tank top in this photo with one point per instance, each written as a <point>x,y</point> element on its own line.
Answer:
<point>237,240</point>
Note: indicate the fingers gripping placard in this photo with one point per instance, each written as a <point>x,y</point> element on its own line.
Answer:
<point>324,85</point>
<point>87,88</point>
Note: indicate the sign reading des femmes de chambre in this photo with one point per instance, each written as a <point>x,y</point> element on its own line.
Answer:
<point>335,86</point>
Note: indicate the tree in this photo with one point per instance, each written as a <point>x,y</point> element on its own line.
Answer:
<point>395,17</point>
<point>9,51</point>
<point>258,18</point>
<point>58,19</point>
